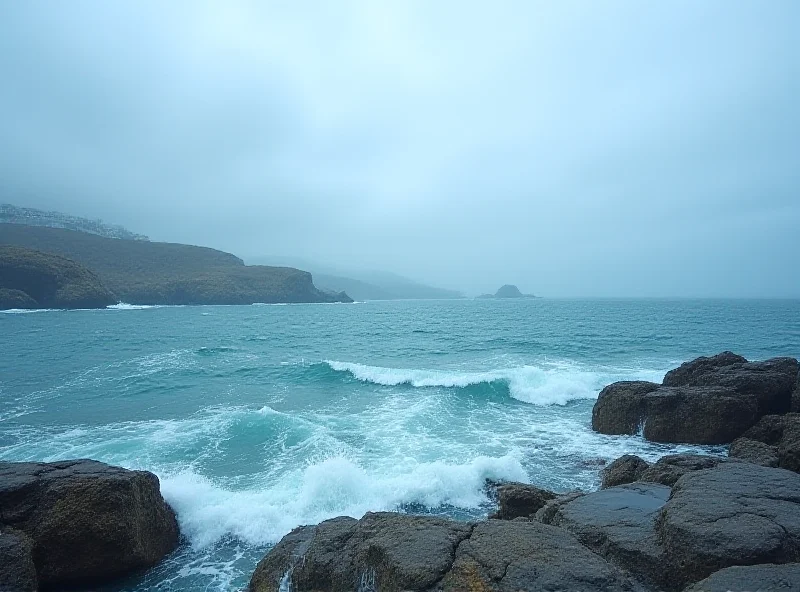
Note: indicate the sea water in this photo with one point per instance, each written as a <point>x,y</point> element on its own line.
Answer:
<point>258,419</point>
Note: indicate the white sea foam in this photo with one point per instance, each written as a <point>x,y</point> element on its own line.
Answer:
<point>126,306</point>
<point>28,310</point>
<point>336,486</point>
<point>555,384</point>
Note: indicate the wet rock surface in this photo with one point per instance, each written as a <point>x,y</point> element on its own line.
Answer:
<point>88,522</point>
<point>619,524</point>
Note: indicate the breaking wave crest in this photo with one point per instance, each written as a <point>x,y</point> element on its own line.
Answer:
<point>555,385</point>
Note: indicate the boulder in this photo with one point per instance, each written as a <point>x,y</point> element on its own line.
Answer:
<point>626,469</point>
<point>517,500</point>
<point>507,556</point>
<point>705,401</point>
<point>394,552</point>
<point>668,469</point>
<point>384,551</point>
<point>696,371</point>
<point>782,432</point>
<point>89,522</point>
<point>698,415</point>
<point>737,513</point>
<point>619,407</point>
<point>771,381</point>
<point>619,524</point>
<point>752,578</point>
<point>17,572</point>
<point>755,452</point>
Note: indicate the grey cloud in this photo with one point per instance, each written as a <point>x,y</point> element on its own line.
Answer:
<point>579,149</point>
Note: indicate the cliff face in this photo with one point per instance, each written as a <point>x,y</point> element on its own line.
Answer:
<point>141,272</point>
<point>31,279</point>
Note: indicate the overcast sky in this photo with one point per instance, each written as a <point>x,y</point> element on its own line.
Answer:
<point>573,148</point>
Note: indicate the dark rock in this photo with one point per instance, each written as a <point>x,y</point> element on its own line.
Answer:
<point>752,578</point>
<point>755,452</point>
<point>619,524</point>
<point>626,469</point>
<point>737,513</point>
<point>48,281</point>
<point>668,469</point>
<point>771,381</point>
<point>782,432</point>
<point>795,407</point>
<point>16,299</point>
<point>696,371</point>
<point>89,522</point>
<point>17,573</point>
<point>545,514</point>
<point>395,552</point>
<point>619,408</point>
<point>705,401</point>
<point>697,415</point>
<point>382,551</point>
<point>519,500</point>
<point>507,556</point>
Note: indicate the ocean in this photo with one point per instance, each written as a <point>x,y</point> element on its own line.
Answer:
<point>261,418</point>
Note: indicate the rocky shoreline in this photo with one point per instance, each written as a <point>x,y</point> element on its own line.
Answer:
<point>684,523</point>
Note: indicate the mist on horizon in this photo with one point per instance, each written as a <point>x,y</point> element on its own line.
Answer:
<point>572,149</point>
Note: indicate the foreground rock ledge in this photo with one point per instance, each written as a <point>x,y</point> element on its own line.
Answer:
<point>718,522</point>
<point>395,552</point>
<point>80,522</point>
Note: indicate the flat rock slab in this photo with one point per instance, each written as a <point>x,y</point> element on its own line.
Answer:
<point>752,578</point>
<point>737,513</point>
<point>514,556</point>
<point>89,522</point>
<point>619,523</point>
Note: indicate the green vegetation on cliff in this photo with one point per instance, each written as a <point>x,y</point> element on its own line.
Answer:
<point>142,272</point>
<point>31,279</point>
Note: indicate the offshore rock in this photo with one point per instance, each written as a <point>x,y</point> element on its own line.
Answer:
<point>89,522</point>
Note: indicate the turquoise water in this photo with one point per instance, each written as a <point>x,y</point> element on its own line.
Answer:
<point>261,418</point>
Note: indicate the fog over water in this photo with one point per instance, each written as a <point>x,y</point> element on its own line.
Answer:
<point>572,148</point>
